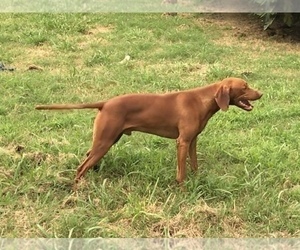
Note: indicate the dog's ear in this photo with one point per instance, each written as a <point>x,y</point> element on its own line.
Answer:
<point>222,97</point>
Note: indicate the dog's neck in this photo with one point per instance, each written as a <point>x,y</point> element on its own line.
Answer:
<point>208,100</point>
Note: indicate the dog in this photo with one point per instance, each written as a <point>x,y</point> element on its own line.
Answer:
<point>176,115</point>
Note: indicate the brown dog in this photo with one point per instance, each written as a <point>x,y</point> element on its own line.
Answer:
<point>179,115</point>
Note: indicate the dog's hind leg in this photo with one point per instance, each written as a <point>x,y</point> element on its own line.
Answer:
<point>118,138</point>
<point>193,154</point>
<point>96,153</point>
<point>106,133</point>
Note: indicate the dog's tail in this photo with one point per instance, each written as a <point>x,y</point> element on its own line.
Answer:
<point>95,105</point>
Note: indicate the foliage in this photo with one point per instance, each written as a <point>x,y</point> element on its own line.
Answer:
<point>278,9</point>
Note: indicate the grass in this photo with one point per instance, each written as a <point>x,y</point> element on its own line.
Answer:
<point>248,181</point>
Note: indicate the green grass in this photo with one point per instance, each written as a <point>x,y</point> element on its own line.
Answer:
<point>248,181</point>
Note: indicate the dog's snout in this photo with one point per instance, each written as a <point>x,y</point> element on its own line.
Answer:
<point>260,94</point>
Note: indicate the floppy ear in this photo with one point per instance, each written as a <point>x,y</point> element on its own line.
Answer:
<point>222,98</point>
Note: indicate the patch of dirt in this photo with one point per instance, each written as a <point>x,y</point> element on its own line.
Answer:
<point>23,221</point>
<point>246,30</point>
<point>40,51</point>
<point>249,27</point>
<point>36,157</point>
<point>6,173</point>
<point>121,227</point>
<point>240,24</point>
<point>234,226</point>
<point>12,150</point>
<point>30,56</point>
<point>99,29</point>
<point>282,32</point>
<point>93,36</point>
<point>194,223</point>
<point>19,151</point>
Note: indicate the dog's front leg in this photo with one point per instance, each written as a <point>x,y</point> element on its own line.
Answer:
<point>182,151</point>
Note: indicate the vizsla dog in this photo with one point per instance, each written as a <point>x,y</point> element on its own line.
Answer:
<point>179,115</point>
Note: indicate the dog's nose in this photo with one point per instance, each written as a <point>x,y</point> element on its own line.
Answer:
<point>260,94</point>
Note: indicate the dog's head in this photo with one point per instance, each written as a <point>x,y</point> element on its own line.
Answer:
<point>235,91</point>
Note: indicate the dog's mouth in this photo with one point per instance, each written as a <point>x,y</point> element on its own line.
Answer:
<point>244,104</point>
<point>243,101</point>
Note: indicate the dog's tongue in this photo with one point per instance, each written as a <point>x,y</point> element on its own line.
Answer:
<point>250,107</point>
<point>246,105</point>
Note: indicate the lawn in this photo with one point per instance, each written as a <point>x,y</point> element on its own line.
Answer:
<point>248,183</point>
